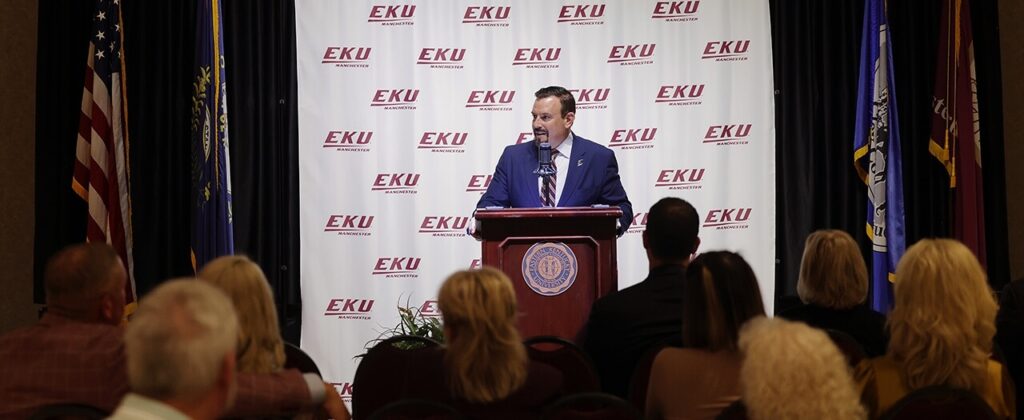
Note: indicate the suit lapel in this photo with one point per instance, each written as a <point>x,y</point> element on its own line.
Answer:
<point>578,166</point>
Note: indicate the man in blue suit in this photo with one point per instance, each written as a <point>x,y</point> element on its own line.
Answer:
<point>587,172</point>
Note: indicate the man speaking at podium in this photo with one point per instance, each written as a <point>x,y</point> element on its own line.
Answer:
<point>584,173</point>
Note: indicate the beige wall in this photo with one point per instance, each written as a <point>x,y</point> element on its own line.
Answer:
<point>17,162</point>
<point>1011,13</point>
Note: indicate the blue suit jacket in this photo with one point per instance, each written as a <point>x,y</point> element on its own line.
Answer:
<point>593,178</point>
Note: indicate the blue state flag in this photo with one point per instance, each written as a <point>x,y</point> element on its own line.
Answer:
<point>212,234</point>
<point>877,153</point>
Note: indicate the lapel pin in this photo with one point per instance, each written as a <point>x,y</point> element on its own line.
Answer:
<point>579,162</point>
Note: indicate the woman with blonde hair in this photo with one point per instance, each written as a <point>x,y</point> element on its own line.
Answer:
<point>833,285</point>
<point>793,371</point>
<point>941,330</point>
<point>720,294</point>
<point>260,348</point>
<point>483,365</point>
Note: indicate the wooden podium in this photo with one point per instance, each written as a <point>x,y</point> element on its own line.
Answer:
<point>560,260</point>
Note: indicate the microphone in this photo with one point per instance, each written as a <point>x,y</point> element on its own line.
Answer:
<point>544,167</point>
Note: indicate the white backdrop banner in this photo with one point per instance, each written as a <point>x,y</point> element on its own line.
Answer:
<point>405,107</point>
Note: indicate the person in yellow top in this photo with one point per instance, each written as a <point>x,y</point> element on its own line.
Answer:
<point>941,330</point>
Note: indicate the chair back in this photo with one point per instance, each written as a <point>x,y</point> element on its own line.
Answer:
<point>849,346</point>
<point>295,358</point>
<point>940,402</point>
<point>578,373</point>
<point>641,378</point>
<point>416,409</point>
<point>735,411</point>
<point>69,412</point>
<point>591,406</point>
<point>382,376</point>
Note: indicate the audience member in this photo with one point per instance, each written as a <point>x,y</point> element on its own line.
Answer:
<point>720,293</point>
<point>260,348</point>
<point>793,371</point>
<point>941,330</point>
<point>833,286</point>
<point>1010,332</point>
<point>625,325</point>
<point>483,369</point>
<point>75,353</point>
<point>180,349</point>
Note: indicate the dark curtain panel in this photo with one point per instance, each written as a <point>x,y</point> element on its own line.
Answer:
<point>63,41</point>
<point>159,44</point>
<point>816,49</point>
<point>260,49</point>
<point>159,39</point>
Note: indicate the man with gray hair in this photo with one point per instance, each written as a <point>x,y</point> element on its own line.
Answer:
<point>180,348</point>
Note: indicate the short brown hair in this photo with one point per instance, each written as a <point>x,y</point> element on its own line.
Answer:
<point>81,271</point>
<point>832,272</point>
<point>563,95</point>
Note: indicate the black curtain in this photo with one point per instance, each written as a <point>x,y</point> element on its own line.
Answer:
<point>816,52</point>
<point>816,47</point>
<point>159,45</point>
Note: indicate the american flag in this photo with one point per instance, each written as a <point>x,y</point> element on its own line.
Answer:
<point>101,165</point>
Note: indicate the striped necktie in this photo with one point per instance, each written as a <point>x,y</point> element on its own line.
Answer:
<point>548,193</point>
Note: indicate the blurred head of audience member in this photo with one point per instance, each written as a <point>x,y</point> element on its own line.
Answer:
<point>720,293</point>
<point>832,272</point>
<point>793,371</point>
<point>260,348</point>
<point>485,359</point>
<point>943,319</point>
<point>86,282</point>
<point>180,347</point>
<point>671,233</point>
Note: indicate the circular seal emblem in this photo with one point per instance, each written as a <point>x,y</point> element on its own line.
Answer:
<point>549,268</point>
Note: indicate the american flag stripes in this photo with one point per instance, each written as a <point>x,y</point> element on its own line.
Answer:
<point>101,165</point>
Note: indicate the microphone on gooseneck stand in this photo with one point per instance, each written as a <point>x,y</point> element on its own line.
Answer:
<point>544,167</point>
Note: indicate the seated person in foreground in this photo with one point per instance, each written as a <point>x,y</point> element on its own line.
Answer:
<point>833,285</point>
<point>180,349</point>
<point>720,294</point>
<point>941,330</point>
<point>80,338</point>
<point>260,348</point>
<point>483,370</point>
<point>626,325</point>
<point>793,371</point>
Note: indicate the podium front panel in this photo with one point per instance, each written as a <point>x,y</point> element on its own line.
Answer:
<point>559,260</point>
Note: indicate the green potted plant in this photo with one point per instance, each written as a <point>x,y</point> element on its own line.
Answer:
<point>411,321</point>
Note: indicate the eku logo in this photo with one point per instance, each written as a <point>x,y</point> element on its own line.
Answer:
<point>349,224</point>
<point>582,14</point>
<point>728,134</point>
<point>680,179</point>
<point>680,94</point>
<point>392,15</point>
<point>493,16</point>
<point>349,308</point>
<point>676,11</point>
<point>348,141</point>
<point>728,218</point>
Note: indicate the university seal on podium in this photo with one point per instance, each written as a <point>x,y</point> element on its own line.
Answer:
<point>549,268</point>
